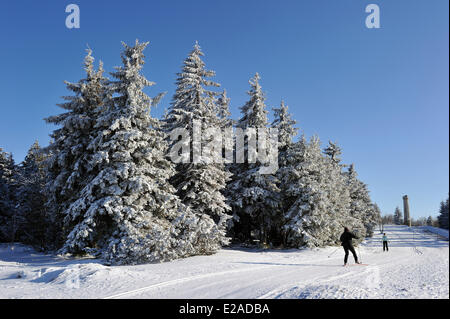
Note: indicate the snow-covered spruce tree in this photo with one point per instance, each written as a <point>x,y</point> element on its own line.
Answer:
<point>224,114</point>
<point>377,213</point>
<point>361,206</point>
<point>129,212</point>
<point>70,164</point>
<point>290,190</point>
<point>31,198</point>
<point>398,219</point>
<point>320,210</point>
<point>226,124</point>
<point>333,151</point>
<point>8,216</point>
<point>200,183</point>
<point>253,196</point>
<point>443,215</point>
<point>286,163</point>
<point>307,219</point>
<point>285,125</point>
<point>343,186</point>
<point>339,194</point>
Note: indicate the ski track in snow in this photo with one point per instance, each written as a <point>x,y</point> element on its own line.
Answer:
<point>182,280</point>
<point>416,266</point>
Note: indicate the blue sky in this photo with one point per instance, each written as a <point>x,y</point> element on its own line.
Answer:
<point>382,94</point>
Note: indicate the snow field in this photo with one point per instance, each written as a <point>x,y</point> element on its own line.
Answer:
<point>416,266</point>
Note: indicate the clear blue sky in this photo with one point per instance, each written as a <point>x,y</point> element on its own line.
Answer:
<point>382,94</point>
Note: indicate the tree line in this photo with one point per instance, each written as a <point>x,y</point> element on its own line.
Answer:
<point>105,186</point>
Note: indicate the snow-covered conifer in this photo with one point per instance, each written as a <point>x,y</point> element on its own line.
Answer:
<point>398,217</point>
<point>31,198</point>
<point>254,197</point>
<point>361,206</point>
<point>129,212</point>
<point>443,214</point>
<point>333,151</point>
<point>285,125</point>
<point>7,200</point>
<point>286,162</point>
<point>377,213</point>
<point>224,114</point>
<point>254,113</point>
<point>321,206</point>
<point>307,219</point>
<point>69,166</point>
<point>200,183</point>
<point>8,183</point>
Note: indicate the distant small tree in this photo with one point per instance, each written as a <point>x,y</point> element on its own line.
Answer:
<point>435,222</point>
<point>379,219</point>
<point>430,221</point>
<point>398,220</point>
<point>387,219</point>
<point>422,221</point>
<point>443,215</point>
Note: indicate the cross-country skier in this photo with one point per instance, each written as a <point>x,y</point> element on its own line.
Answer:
<point>346,239</point>
<point>385,243</point>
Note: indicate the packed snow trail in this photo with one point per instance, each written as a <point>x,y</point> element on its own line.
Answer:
<point>416,266</point>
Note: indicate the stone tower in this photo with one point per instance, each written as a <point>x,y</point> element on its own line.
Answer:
<point>406,219</point>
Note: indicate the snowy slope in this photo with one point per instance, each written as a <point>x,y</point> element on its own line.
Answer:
<point>434,230</point>
<point>417,266</point>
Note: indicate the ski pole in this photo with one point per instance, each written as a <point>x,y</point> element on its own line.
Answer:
<point>333,252</point>
<point>360,257</point>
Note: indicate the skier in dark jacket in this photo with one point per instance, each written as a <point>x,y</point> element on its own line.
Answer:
<point>346,239</point>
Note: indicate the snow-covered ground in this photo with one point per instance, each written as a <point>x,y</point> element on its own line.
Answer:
<point>416,266</point>
<point>438,231</point>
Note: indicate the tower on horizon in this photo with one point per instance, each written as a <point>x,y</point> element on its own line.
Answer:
<point>406,219</point>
